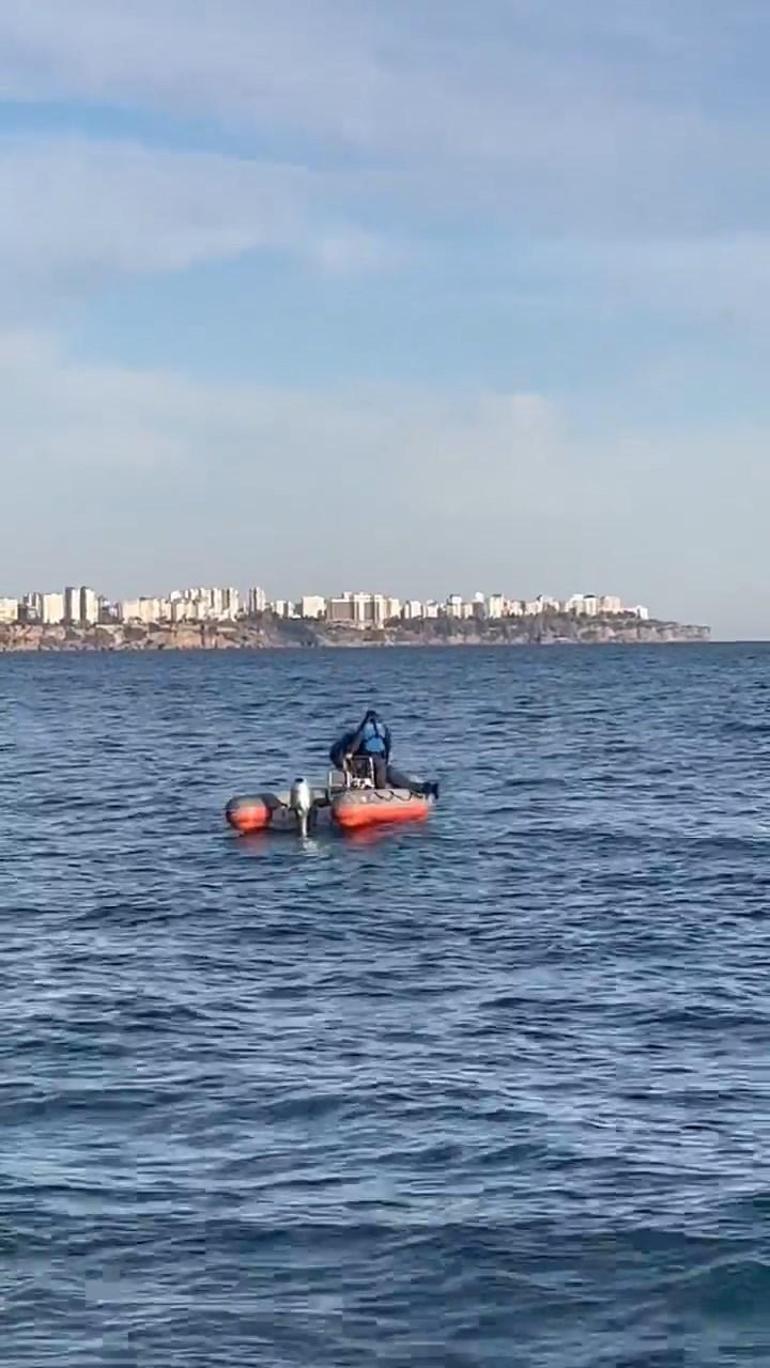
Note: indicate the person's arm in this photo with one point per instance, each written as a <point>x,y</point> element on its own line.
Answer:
<point>357,737</point>
<point>340,751</point>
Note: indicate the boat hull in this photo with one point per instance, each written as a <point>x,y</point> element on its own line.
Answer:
<point>346,809</point>
<point>357,809</point>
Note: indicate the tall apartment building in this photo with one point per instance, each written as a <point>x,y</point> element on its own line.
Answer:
<point>51,609</point>
<point>362,610</point>
<point>89,607</point>
<point>71,605</point>
<point>257,601</point>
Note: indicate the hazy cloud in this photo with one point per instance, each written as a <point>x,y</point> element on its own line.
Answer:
<point>578,190</point>
<point>598,111</point>
<point>137,475</point>
<point>77,212</point>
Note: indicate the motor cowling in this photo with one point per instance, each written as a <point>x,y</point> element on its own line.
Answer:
<point>301,803</point>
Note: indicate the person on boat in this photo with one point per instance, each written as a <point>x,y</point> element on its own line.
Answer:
<point>366,752</point>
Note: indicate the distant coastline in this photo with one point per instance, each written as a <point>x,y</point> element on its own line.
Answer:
<point>269,632</point>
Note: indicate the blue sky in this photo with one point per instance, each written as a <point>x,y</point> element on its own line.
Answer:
<point>411,295</point>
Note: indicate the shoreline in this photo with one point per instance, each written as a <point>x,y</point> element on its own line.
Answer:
<point>295,634</point>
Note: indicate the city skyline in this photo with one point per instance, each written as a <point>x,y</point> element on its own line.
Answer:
<point>84,606</point>
<point>384,292</point>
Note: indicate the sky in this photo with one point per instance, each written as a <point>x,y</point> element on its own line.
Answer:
<point>411,295</point>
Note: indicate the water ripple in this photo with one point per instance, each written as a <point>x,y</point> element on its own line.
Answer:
<point>491,1092</point>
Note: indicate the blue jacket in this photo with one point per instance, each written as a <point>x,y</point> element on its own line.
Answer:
<point>371,738</point>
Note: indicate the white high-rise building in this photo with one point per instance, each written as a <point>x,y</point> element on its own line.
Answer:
<point>495,606</point>
<point>412,610</point>
<point>144,610</point>
<point>9,609</point>
<point>454,606</point>
<point>231,602</point>
<point>312,606</point>
<point>379,609</point>
<point>52,609</point>
<point>642,613</point>
<point>257,601</point>
<point>71,605</point>
<point>89,607</point>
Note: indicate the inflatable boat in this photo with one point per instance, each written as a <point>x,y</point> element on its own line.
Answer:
<point>342,806</point>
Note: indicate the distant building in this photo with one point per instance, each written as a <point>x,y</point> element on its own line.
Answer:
<point>181,609</point>
<point>231,604</point>
<point>89,607</point>
<point>108,611</point>
<point>312,606</point>
<point>380,606</point>
<point>31,608</point>
<point>341,610</point>
<point>642,613</point>
<point>52,609</point>
<point>454,606</point>
<point>582,605</point>
<point>361,609</point>
<point>144,610</point>
<point>412,610</point>
<point>71,605</point>
<point>610,605</point>
<point>9,609</point>
<point>283,608</point>
<point>495,607</point>
<point>257,602</point>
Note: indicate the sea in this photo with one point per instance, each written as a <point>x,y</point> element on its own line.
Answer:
<point>490,1091</point>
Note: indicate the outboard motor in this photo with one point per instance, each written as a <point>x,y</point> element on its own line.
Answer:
<point>301,804</point>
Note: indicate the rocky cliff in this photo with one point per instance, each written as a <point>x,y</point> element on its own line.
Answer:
<point>269,632</point>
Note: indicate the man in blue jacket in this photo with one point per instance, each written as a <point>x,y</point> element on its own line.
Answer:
<point>369,747</point>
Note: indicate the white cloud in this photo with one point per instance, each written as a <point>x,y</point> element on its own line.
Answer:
<point>75,212</point>
<point>516,125</point>
<point>513,113</point>
<point>372,483</point>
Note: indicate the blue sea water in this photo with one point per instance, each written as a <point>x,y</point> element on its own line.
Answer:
<point>495,1091</point>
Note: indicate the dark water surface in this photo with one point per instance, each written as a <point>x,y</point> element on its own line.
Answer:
<point>492,1092</point>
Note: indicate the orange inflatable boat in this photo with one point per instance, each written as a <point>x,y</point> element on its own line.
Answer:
<point>303,809</point>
